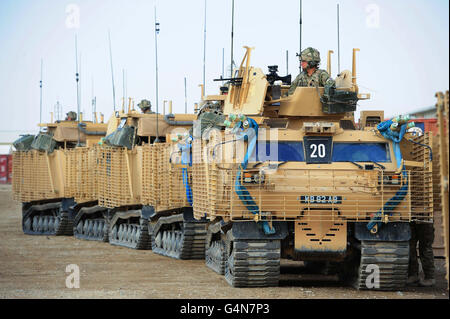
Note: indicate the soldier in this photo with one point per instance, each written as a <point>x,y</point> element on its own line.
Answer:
<point>311,74</point>
<point>424,234</point>
<point>71,116</point>
<point>146,107</point>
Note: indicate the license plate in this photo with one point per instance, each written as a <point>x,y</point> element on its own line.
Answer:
<point>321,199</point>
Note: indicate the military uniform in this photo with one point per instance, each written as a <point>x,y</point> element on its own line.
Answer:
<point>317,78</point>
<point>424,234</point>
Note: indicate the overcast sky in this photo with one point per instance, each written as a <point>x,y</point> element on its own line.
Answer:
<point>404,57</point>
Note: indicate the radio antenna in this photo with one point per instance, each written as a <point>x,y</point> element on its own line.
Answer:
<point>339,56</point>
<point>300,37</point>
<point>204,51</point>
<point>94,103</point>
<point>156,74</point>
<point>223,62</point>
<point>40,103</point>
<point>77,79</point>
<point>232,36</point>
<point>287,62</point>
<point>112,72</point>
<point>123,88</point>
<point>185,96</point>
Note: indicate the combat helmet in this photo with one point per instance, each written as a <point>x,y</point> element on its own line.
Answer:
<point>71,116</point>
<point>145,106</point>
<point>310,55</point>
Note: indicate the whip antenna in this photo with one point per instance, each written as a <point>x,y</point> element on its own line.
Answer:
<point>156,73</point>
<point>94,104</point>
<point>223,62</point>
<point>339,56</point>
<point>112,72</point>
<point>123,90</point>
<point>287,62</point>
<point>185,96</point>
<point>300,29</point>
<point>232,36</point>
<point>40,103</point>
<point>77,79</point>
<point>204,50</point>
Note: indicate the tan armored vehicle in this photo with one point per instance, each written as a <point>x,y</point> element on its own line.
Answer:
<point>286,180</point>
<point>136,181</point>
<point>42,169</point>
<point>175,233</point>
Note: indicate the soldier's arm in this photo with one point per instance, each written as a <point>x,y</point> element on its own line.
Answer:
<point>325,79</point>
<point>293,85</point>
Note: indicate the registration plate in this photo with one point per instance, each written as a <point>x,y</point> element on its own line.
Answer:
<point>321,199</point>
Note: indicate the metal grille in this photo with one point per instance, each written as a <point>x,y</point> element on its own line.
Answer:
<point>422,179</point>
<point>32,176</point>
<point>310,194</point>
<point>81,173</point>
<point>162,179</point>
<point>160,183</point>
<point>114,180</point>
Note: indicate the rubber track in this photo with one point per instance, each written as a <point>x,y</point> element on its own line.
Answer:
<point>95,229</point>
<point>131,235</point>
<point>254,263</point>
<point>38,223</point>
<point>215,257</point>
<point>392,259</point>
<point>188,243</point>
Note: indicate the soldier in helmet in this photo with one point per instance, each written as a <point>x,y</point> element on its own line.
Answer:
<point>146,107</point>
<point>311,75</point>
<point>71,116</point>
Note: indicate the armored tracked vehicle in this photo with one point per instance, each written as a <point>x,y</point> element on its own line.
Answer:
<point>289,178</point>
<point>42,170</point>
<point>136,181</point>
<point>175,233</point>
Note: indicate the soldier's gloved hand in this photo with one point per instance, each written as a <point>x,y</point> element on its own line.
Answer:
<point>329,88</point>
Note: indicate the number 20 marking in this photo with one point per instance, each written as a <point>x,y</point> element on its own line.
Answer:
<point>319,149</point>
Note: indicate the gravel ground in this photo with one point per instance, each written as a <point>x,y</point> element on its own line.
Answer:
<point>35,267</point>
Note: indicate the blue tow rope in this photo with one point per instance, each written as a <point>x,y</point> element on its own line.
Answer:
<point>391,204</point>
<point>250,135</point>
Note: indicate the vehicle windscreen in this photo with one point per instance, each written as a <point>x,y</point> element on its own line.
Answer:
<point>361,152</point>
<point>283,151</point>
<point>292,151</point>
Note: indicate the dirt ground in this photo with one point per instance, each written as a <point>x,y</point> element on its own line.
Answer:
<point>35,267</point>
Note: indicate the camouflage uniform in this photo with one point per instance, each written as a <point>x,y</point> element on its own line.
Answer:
<point>317,78</point>
<point>424,234</point>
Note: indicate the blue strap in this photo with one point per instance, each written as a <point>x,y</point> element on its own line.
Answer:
<point>391,204</point>
<point>250,135</point>
<point>385,129</point>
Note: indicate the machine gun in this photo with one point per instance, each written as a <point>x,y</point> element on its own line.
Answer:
<point>273,76</point>
<point>233,81</point>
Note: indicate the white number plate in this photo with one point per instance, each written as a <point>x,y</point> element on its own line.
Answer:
<point>320,199</point>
